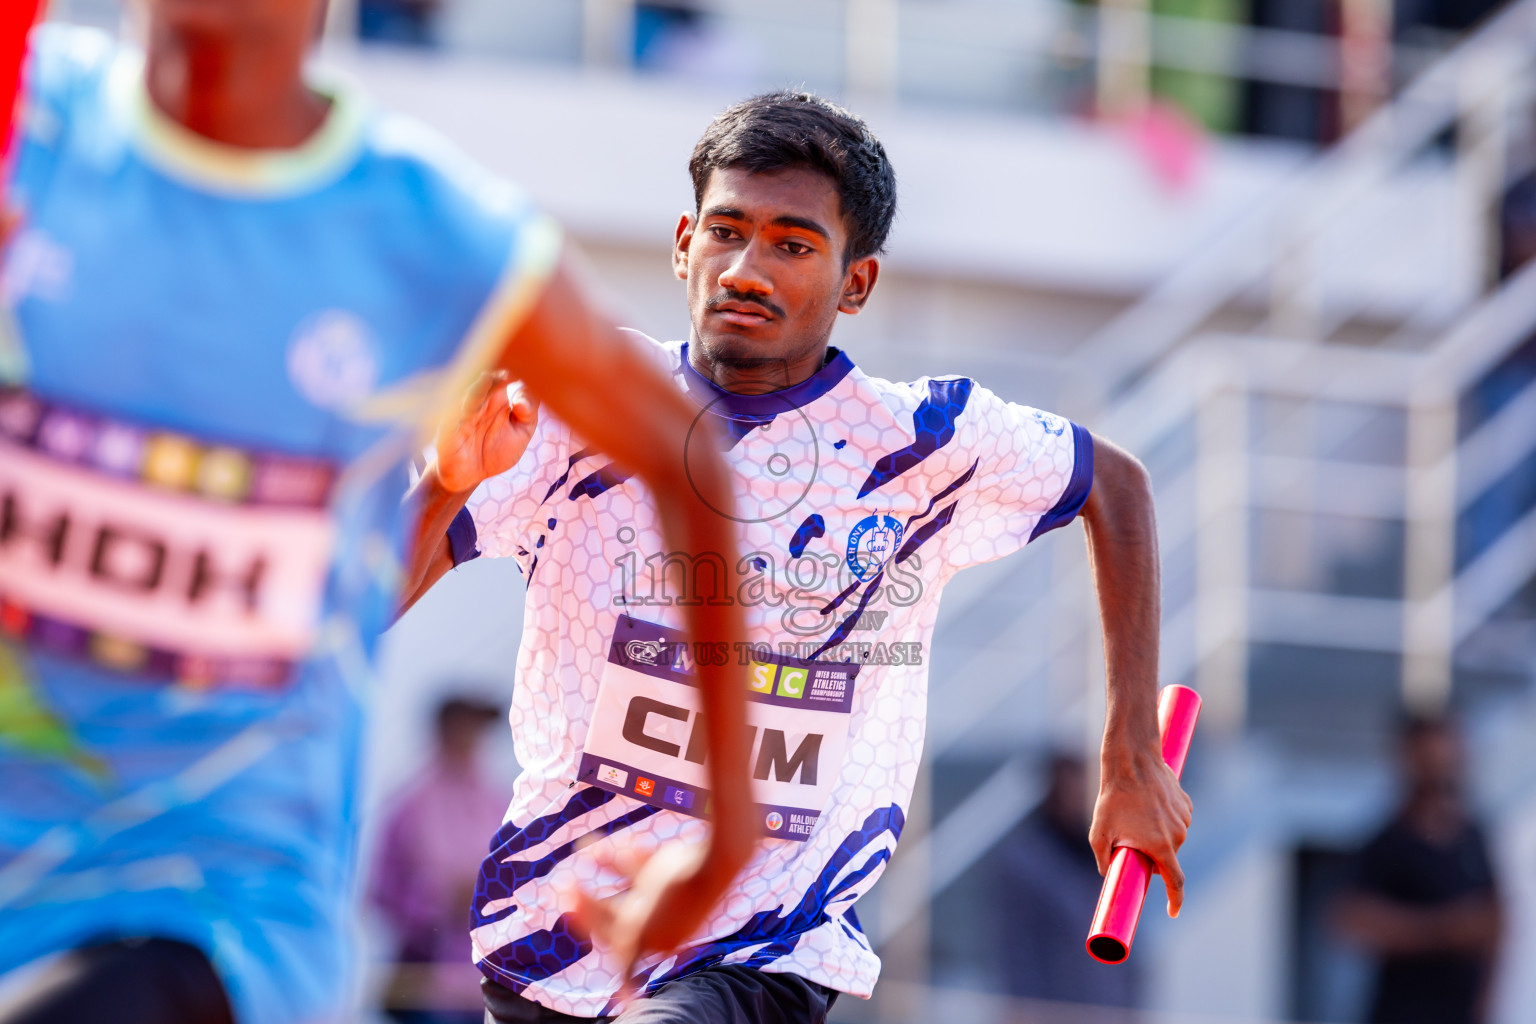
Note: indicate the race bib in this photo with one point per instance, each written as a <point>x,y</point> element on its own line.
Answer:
<point>647,739</point>
<point>155,554</point>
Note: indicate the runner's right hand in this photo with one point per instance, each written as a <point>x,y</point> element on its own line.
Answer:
<point>668,896</point>
<point>493,428</point>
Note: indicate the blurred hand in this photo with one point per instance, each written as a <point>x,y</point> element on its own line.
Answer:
<point>671,893</point>
<point>10,224</point>
<point>494,426</point>
<point>1142,805</point>
<point>1470,925</point>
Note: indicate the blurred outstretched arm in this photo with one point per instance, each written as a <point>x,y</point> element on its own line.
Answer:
<point>1471,925</point>
<point>595,379</point>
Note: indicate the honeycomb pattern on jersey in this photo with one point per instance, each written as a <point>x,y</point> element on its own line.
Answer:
<point>585,557</point>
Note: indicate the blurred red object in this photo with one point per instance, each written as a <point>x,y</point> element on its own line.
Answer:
<point>1125,886</point>
<point>16,18</point>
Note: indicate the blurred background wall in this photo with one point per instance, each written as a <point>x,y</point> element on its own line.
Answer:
<point>1275,247</point>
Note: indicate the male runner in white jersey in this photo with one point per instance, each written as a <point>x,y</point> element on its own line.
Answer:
<point>239,294</point>
<point>860,498</point>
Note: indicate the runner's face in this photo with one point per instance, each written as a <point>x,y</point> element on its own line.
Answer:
<point>763,259</point>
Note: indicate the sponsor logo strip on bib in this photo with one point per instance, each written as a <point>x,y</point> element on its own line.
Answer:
<point>156,554</point>
<point>647,739</point>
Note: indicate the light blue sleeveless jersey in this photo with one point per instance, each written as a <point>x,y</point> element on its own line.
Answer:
<point>215,364</point>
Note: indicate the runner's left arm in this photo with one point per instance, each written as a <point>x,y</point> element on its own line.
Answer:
<point>1035,472</point>
<point>1140,803</point>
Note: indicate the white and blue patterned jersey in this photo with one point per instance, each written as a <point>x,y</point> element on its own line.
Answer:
<point>858,498</point>
<point>218,362</point>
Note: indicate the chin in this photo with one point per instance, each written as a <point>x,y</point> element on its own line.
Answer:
<point>200,16</point>
<point>740,350</point>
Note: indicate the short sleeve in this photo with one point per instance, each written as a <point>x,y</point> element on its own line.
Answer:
<point>508,509</point>
<point>61,86</point>
<point>1032,473</point>
<point>511,512</point>
<point>477,250</point>
<point>1480,870</point>
<point>463,539</point>
<point>529,262</point>
<point>1375,866</point>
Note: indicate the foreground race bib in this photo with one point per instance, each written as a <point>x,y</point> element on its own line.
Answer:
<point>647,738</point>
<point>155,554</point>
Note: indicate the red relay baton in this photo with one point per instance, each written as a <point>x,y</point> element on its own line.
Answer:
<point>1130,871</point>
<point>16,18</point>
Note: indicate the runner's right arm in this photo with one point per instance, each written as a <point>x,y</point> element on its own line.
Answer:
<point>491,432</point>
<point>609,393</point>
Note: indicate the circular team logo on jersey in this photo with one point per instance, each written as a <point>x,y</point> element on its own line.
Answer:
<point>331,360</point>
<point>774,821</point>
<point>871,544</point>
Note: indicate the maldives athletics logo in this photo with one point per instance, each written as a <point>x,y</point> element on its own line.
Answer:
<point>871,544</point>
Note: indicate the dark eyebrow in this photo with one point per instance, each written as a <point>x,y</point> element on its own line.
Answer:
<point>803,223</point>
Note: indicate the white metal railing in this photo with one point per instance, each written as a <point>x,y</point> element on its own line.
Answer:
<point>1212,380</point>
<point>1272,248</point>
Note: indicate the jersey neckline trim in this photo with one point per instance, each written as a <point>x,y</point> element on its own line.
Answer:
<point>797,396</point>
<point>233,170</point>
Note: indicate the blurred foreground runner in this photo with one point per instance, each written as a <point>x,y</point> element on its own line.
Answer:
<point>241,296</point>
<point>860,499</point>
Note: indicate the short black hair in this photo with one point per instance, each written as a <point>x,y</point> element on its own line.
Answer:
<point>784,129</point>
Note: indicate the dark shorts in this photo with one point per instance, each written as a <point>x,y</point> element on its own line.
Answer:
<point>717,995</point>
<point>132,981</point>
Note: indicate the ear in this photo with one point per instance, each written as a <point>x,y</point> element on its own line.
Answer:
<point>858,283</point>
<point>680,244</point>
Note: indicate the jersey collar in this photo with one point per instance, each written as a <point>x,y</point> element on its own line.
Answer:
<point>231,170</point>
<point>713,396</point>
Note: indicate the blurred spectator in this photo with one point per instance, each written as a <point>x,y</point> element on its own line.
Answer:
<point>1425,901</point>
<point>1282,109</point>
<point>1411,17</point>
<point>674,38</point>
<point>661,29</point>
<point>1517,224</point>
<point>410,22</point>
<point>1047,884</point>
<point>1211,100</point>
<point>424,872</point>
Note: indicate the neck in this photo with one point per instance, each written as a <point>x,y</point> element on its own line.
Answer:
<point>756,376</point>
<point>454,762</point>
<point>244,90</point>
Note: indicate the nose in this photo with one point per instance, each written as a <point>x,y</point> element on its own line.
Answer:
<point>746,273</point>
